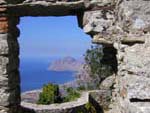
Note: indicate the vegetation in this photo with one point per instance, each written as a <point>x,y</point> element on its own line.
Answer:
<point>93,58</point>
<point>72,94</point>
<point>51,94</point>
<point>90,108</point>
<point>94,70</point>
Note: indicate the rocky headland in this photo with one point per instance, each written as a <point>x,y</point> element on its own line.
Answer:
<point>66,64</point>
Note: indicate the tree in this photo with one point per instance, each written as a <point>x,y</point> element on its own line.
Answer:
<point>98,70</point>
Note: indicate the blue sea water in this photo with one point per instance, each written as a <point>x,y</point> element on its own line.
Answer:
<point>34,74</point>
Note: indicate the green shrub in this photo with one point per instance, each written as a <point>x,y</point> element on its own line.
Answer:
<point>72,94</point>
<point>50,94</point>
<point>81,88</point>
<point>90,108</point>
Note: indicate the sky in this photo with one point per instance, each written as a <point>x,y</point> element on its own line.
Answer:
<point>44,37</point>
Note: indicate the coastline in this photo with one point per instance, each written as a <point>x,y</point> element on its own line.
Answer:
<point>32,96</point>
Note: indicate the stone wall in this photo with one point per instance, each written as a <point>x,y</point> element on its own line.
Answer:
<point>81,105</point>
<point>127,28</point>
<point>9,63</point>
<point>120,24</point>
<point>133,81</point>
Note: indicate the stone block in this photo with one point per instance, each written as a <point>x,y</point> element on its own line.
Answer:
<point>8,64</point>
<point>9,89</point>
<point>10,80</point>
<point>108,83</point>
<point>138,87</point>
<point>8,46</point>
<point>103,2</point>
<point>3,65</point>
<point>3,81</point>
<point>2,9</point>
<point>134,87</point>
<point>137,60</point>
<point>102,97</point>
<point>97,21</point>
<point>134,16</point>
<point>4,47</point>
<point>3,26</point>
<point>3,109</point>
<point>4,36</point>
<point>3,18</point>
<point>4,97</point>
<point>9,97</point>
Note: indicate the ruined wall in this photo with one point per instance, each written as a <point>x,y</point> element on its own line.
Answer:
<point>134,58</point>
<point>127,28</point>
<point>120,25</point>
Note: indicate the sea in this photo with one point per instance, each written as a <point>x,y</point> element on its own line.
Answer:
<point>34,74</point>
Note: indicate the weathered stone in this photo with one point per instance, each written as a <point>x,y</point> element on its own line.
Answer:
<point>4,97</point>
<point>1,8</point>
<point>8,46</point>
<point>3,26</point>
<point>136,62</point>
<point>9,97</point>
<point>135,15</point>
<point>3,18</point>
<point>76,106</point>
<point>137,87</point>
<point>103,2</point>
<point>9,89</point>
<point>3,109</point>
<point>124,24</point>
<point>108,83</point>
<point>102,97</point>
<point>45,8</point>
<point>4,47</point>
<point>97,21</point>
<point>3,36</point>
<point>100,40</point>
<point>10,80</point>
<point>8,64</point>
<point>131,40</point>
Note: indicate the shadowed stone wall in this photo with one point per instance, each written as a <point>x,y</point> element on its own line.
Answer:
<point>9,62</point>
<point>120,24</point>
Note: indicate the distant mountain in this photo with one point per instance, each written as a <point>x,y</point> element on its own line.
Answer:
<point>66,64</point>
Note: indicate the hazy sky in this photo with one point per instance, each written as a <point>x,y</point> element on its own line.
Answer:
<point>52,37</point>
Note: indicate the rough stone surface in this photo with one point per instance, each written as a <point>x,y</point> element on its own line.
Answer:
<point>108,83</point>
<point>102,97</point>
<point>134,77</point>
<point>120,24</point>
<point>9,63</point>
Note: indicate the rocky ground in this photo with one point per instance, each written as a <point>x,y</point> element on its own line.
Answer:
<point>30,96</point>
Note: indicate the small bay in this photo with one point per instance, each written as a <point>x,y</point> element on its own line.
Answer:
<point>34,74</point>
